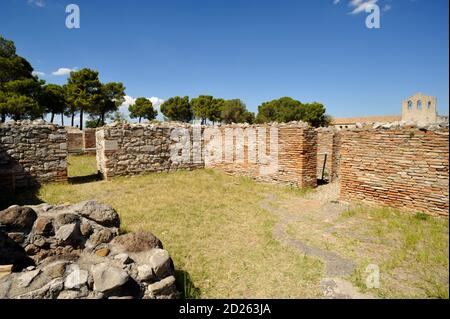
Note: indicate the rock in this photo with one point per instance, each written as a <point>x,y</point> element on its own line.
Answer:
<point>26,278</point>
<point>39,241</point>
<point>11,253</point>
<point>73,294</point>
<point>5,270</point>
<point>102,252</point>
<point>102,214</point>
<point>76,279</point>
<point>17,218</point>
<point>31,249</point>
<point>55,269</point>
<point>100,236</point>
<point>145,273</point>
<point>49,291</point>
<point>163,287</point>
<point>62,219</point>
<point>107,278</point>
<point>17,237</point>
<point>160,262</point>
<point>123,258</point>
<point>29,268</point>
<point>43,226</point>
<point>136,242</point>
<point>69,234</point>
<point>85,229</point>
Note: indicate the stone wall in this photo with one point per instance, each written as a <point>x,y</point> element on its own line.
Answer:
<point>400,167</point>
<point>133,149</point>
<point>78,140</point>
<point>281,153</point>
<point>31,153</point>
<point>284,153</point>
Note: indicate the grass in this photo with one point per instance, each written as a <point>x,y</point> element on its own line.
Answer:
<point>411,250</point>
<point>220,239</point>
<point>222,244</point>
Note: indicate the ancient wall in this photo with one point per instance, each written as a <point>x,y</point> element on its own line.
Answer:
<point>89,140</point>
<point>132,149</point>
<point>75,140</point>
<point>401,167</point>
<point>282,153</point>
<point>31,153</point>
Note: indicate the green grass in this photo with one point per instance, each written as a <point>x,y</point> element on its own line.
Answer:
<point>222,244</point>
<point>81,165</point>
<point>211,224</point>
<point>411,250</point>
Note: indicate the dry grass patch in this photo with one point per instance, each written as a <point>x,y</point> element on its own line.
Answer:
<point>212,225</point>
<point>410,250</point>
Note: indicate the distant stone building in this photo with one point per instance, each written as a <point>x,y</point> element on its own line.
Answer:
<point>420,108</point>
<point>350,122</point>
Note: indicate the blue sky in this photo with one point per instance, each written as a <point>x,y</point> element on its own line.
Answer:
<point>256,50</point>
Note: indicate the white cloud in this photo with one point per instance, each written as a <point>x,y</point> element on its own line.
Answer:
<point>387,7</point>
<point>336,1</point>
<point>37,3</point>
<point>38,73</point>
<point>361,5</point>
<point>129,100</point>
<point>62,71</point>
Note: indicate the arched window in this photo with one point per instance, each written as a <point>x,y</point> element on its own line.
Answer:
<point>429,104</point>
<point>419,105</point>
<point>410,105</point>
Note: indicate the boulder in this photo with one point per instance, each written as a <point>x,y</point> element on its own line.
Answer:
<point>43,226</point>
<point>100,213</point>
<point>163,287</point>
<point>107,278</point>
<point>145,273</point>
<point>100,236</point>
<point>76,279</point>
<point>136,242</point>
<point>27,277</point>
<point>17,219</point>
<point>161,263</point>
<point>123,258</point>
<point>69,234</point>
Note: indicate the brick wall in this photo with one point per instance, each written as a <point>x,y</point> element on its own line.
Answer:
<point>404,168</point>
<point>75,141</point>
<point>283,153</point>
<point>31,153</point>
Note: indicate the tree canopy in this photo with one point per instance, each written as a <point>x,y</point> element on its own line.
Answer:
<point>235,111</point>
<point>53,98</point>
<point>19,88</point>
<point>287,109</point>
<point>142,108</point>
<point>177,109</point>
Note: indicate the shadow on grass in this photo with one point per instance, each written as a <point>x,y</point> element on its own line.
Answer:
<point>85,179</point>
<point>20,197</point>
<point>186,285</point>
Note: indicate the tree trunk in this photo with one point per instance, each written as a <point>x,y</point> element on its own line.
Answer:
<point>140,119</point>
<point>3,119</point>
<point>62,119</point>
<point>52,118</point>
<point>81,119</point>
<point>73,118</point>
<point>103,119</point>
<point>98,121</point>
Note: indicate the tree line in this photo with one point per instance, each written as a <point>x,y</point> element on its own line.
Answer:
<point>24,96</point>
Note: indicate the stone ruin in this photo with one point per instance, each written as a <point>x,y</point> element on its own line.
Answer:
<point>76,251</point>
